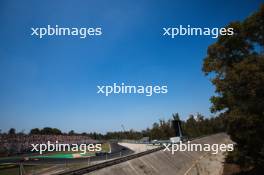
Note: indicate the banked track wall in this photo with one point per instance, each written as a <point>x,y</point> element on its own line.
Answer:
<point>159,162</point>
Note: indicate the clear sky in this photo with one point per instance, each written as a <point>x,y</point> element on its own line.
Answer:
<point>52,81</point>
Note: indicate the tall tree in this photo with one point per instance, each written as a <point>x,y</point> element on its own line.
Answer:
<point>35,131</point>
<point>236,66</point>
<point>12,131</point>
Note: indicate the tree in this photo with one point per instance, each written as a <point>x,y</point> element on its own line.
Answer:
<point>236,65</point>
<point>34,131</point>
<point>71,132</point>
<point>12,131</point>
<point>191,127</point>
<point>176,116</point>
<point>50,131</point>
<point>56,131</point>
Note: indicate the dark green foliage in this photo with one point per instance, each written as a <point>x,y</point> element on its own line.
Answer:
<point>46,131</point>
<point>71,132</point>
<point>12,131</point>
<point>192,127</point>
<point>237,64</point>
<point>35,131</point>
<point>200,126</point>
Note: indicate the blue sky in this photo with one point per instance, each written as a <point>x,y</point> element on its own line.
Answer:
<point>52,81</point>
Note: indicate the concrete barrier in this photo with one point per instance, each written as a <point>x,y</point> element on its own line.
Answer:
<point>163,162</point>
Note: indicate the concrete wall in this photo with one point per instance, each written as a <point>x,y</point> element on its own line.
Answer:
<point>161,162</point>
<point>138,147</point>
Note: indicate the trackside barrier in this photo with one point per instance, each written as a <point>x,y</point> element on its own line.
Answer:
<point>109,163</point>
<point>119,160</point>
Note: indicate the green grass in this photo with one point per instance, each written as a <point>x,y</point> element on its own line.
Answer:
<point>9,169</point>
<point>67,154</point>
<point>64,155</point>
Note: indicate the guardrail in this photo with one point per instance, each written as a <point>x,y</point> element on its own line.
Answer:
<point>109,163</point>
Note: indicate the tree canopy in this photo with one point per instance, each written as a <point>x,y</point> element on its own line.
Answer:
<point>236,67</point>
